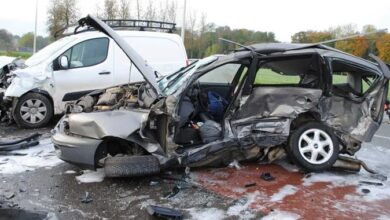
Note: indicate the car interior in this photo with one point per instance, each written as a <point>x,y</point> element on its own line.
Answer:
<point>203,106</point>
<point>350,80</point>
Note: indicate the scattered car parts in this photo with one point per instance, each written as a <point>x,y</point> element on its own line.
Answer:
<point>26,142</point>
<point>164,213</point>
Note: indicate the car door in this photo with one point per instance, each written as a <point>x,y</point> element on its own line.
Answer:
<point>90,67</point>
<point>281,89</point>
<point>358,97</point>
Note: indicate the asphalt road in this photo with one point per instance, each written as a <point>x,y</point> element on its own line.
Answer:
<point>55,191</point>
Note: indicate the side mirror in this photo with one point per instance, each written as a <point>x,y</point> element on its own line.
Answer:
<point>64,62</point>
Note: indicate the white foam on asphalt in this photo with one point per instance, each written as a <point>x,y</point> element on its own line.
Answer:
<point>281,215</point>
<point>70,172</point>
<point>206,213</point>
<point>376,157</point>
<point>39,156</point>
<point>242,209</point>
<point>286,190</point>
<point>90,176</point>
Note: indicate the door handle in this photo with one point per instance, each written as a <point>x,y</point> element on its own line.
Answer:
<point>104,73</point>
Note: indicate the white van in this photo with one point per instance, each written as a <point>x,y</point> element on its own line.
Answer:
<point>77,64</point>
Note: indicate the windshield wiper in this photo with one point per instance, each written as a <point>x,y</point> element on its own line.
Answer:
<point>177,78</point>
<point>181,69</point>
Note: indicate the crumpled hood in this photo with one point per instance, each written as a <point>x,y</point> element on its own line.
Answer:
<point>25,80</point>
<point>120,123</point>
<point>35,72</point>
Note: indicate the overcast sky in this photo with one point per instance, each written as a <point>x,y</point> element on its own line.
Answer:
<point>283,17</point>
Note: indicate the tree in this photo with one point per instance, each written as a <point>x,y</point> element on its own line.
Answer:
<point>6,40</point>
<point>383,47</point>
<point>61,13</point>
<point>27,40</point>
<point>150,11</point>
<point>356,46</point>
<point>311,36</point>
<point>124,9</point>
<point>167,11</point>
<point>110,9</point>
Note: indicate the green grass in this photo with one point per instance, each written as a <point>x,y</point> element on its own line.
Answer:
<point>267,76</point>
<point>23,55</point>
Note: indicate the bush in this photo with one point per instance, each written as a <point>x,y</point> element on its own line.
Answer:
<point>23,55</point>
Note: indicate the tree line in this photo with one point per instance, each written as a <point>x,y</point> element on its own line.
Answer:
<point>10,42</point>
<point>371,40</point>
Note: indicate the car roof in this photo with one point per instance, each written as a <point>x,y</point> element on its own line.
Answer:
<point>323,50</point>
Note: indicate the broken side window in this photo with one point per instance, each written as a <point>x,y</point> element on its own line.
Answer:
<point>299,71</point>
<point>350,78</point>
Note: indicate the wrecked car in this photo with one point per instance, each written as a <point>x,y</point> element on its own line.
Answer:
<point>7,65</point>
<point>82,62</point>
<point>310,101</point>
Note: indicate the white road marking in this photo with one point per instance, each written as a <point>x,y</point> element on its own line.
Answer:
<point>380,136</point>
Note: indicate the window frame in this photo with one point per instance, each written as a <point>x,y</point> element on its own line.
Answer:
<point>356,65</point>
<point>71,52</point>
<point>265,60</point>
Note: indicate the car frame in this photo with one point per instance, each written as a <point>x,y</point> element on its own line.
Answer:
<point>313,119</point>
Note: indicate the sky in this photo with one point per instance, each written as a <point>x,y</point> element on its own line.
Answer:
<point>283,17</point>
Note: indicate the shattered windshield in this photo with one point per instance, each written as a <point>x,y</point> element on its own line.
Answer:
<point>44,53</point>
<point>169,84</point>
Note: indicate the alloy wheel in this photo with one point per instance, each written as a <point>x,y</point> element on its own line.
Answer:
<point>315,146</point>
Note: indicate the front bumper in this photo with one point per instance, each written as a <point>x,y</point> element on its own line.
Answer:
<point>76,150</point>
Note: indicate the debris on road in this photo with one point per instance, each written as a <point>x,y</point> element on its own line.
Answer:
<point>26,142</point>
<point>10,195</point>
<point>267,176</point>
<point>235,164</point>
<point>22,160</point>
<point>6,153</point>
<point>249,185</point>
<point>370,183</point>
<point>165,213</point>
<point>87,198</point>
<point>12,213</point>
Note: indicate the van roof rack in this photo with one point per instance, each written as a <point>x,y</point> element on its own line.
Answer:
<point>122,24</point>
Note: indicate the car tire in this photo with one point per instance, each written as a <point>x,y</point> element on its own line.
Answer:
<point>131,166</point>
<point>33,110</point>
<point>313,146</point>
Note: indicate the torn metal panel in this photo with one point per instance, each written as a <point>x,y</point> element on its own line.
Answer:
<point>120,123</point>
<point>263,132</point>
<point>279,102</point>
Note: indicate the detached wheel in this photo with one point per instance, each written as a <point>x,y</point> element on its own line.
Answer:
<point>33,110</point>
<point>314,147</point>
<point>131,166</point>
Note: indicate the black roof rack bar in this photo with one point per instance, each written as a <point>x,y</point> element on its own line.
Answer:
<point>141,25</point>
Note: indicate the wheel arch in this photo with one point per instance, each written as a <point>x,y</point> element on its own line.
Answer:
<point>304,118</point>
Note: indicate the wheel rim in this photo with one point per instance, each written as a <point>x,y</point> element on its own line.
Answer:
<point>33,111</point>
<point>315,146</point>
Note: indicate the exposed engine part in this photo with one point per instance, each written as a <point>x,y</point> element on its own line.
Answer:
<point>276,153</point>
<point>116,98</point>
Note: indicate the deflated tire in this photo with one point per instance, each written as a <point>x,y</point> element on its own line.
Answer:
<point>131,166</point>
